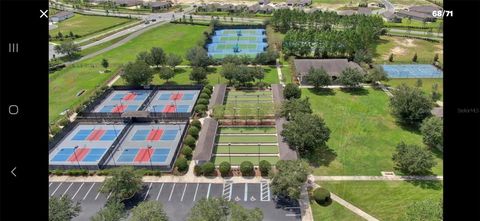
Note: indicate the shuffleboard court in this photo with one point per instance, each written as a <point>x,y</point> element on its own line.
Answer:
<point>412,71</point>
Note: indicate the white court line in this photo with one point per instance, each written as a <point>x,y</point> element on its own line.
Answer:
<point>148,191</point>
<point>195,196</point>
<point>56,189</point>
<point>245,197</point>
<point>170,197</point>
<point>77,191</point>
<point>208,192</point>
<point>183,194</point>
<point>159,192</point>
<point>88,191</point>
<point>67,189</point>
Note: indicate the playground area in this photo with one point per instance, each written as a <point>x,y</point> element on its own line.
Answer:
<point>85,145</point>
<point>177,101</point>
<point>412,71</point>
<point>238,144</point>
<point>249,42</point>
<point>123,101</point>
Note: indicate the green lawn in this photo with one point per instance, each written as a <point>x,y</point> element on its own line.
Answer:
<point>333,212</point>
<point>385,200</point>
<point>403,50</point>
<point>246,139</point>
<point>414,23</point>
<point>66,83</point>
<point>239,160</point>
<point>101,46</point>
<point>426,83</point>
<point>287,75</point>
<point>85,25</point>
<point>271,75</point>
<point>363,133</point>
<point>246,149</point>
<point>247,130</point>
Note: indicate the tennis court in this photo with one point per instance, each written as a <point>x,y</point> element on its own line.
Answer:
<point>177,101</point>
<point>412,71</point>
<point>149,145</point>
<point>85,145</point>
<point>249,42</point>
<point>123,101</point>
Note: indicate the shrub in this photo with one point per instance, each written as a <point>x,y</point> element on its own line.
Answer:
<point>54,129</point>
<point>187,151</point>
<point>196,123</point>
<point>208,168</point>
<point>265,167</point>
<point>200,108</point>
<point>77,172</point>
<point>181,164</point>
<point>224,168</point>
<point>197,170</point>
<point>246,167</point>
<point>58,172</point>
<point>189,141</point>
<point>432,132</point>
<point>292,91</point>
<point>203,101</point>
<point>412,159</point>
<point>204,96</point>
<point>321,195</point>
<point>207,91</point>
<point>193,131</point>
<point>64,121</point>
<point>210,87</point>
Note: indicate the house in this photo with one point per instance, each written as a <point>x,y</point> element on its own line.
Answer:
<point>225,8</point>
<point>364,11</point>
<point>263,2</point>
<point>267,9</point>
<point>61,16</point>
<point>158,6</point>
<point>127,3</point>
<point>416,16</point>
<point>304,3</point>
<point>333,67</point>
<point>426,9</point>
<point>253,8</point>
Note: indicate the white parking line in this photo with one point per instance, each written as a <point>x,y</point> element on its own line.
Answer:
<point>195,196</point>
<point>67,189</point>
<point>208,191</point>
<point>96,197</point>
<point>170,197</point>
<point>56,189</point>
<point>88,191</point>
<point>159,192</point>
<point>148,191</point>
<point>183,194</point>
<point>109,194</point>
<point>77,191</point>
<point>245,197</point>
<point>49,185</point>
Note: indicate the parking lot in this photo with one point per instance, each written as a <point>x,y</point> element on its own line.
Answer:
<point>178,198</point>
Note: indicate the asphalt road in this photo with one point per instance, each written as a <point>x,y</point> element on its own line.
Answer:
<point>178,198</point>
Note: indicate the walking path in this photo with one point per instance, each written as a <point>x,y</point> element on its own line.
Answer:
<point>279,72</point>
<point>375,178</point>
<point>332,86</point>
<point>382,86</point>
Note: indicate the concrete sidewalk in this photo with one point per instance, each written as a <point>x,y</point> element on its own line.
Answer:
<point>375,178</point>
<point>163,179</point>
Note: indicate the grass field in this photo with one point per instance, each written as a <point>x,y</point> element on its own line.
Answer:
<point>247,130</point>
<point>403,50</point>
<point>246,149</point>
<point>246,139</point>
<point>426,83</point>
<point>363,133</point>
<point>414,23</point>
<point>85,25</point>
<point>287,75</point>
<point>239,160</point>
<point>66,83</point>
<point>333,212</point>
<point>384,200</point>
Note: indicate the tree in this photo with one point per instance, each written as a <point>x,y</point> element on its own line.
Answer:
<point>105,63</point>
<point>419,83</point>
<point>187,152</point>
<point>377,74</point>
<point>208,168</point>
<point>229,71</point>
<point>137,73</point>
<point>410,105</point>
<point>149,210</point>
<point>292,91</point>
<point>198,74</point>
<point>435,58</point>
<point>292,107</point>
<point>218,209</point>
<point>321,195</point>
<point>198,57</point>
<point>158,57</point>
<point>174,60</point>
<point>194,132</point>
<point>246,167</point>
<point>390,58</point>
<point>224,168</point>
<point>290,177</point>
<point>413,159</point>
<point>258,73</point>
<point>122,184</point>
<point>181,164</point>
<point>264,167</point>
<point>425,210</point>
<point>145,57</point>
<point>306,132</point>
<point>318,78</point>
<point>414,59</point>
<point>435,94</point>
<point>68,47</point>
<point>166,73</point>
<point>432,132</point>
<point>351,77</point>
<point>61,209</point>
<point>113,211</point>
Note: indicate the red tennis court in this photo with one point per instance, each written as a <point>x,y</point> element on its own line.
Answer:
<point>129,97</point>
<point>170,109</point>
<point>96,135</point>
<point>143,155</point>
<point>176,96</point>
<point>79,154</point>
<point>155,134</point>
<point>119,108</point>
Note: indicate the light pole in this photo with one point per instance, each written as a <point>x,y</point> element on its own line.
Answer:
<point>75,154</point>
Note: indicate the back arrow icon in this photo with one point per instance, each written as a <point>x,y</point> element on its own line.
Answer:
<point>14,170</point>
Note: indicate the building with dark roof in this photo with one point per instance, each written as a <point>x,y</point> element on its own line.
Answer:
<point>128,3</point>
<point>158,6</point>
<point>346,12</point>
<point>333,67</point>
<point>299,3</point>
<point>426,9</point>
<point>61,16</point>
<point>263,2</point>
<point>416,16</point>
<point>364,11</point>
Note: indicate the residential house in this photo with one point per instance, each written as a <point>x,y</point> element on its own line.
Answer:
<point>416,16</point>
<point>333,67</point>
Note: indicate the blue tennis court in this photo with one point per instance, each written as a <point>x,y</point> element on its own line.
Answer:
<point>249,42</point>
<point>174,101</point>
<point>79,155</point>
<point>412,71</point>
<point>142,155</point>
